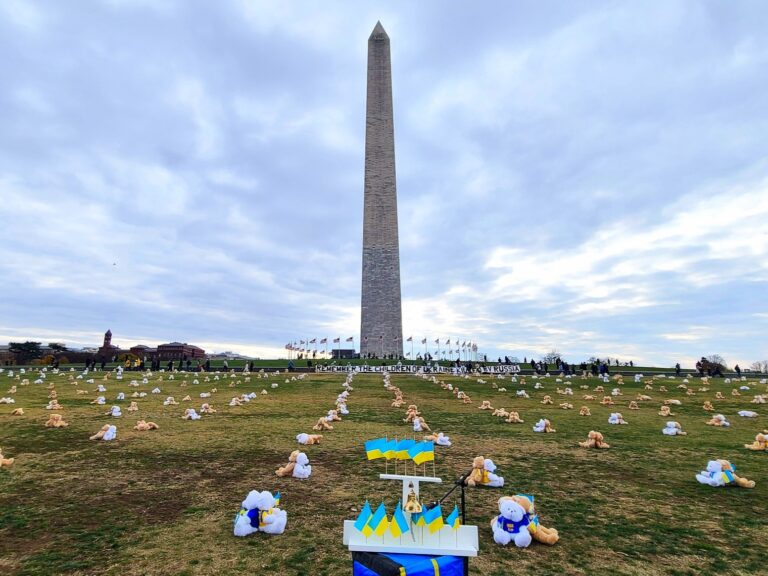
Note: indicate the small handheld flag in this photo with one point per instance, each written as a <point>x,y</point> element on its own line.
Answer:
<point>418,519</point>
<point>361,524</point>
<point>375,448</point>
<point>390,449</point>
<point>398,525</point>
<point>422,452</point>
<point>378,522</point>
<point>434,519</point>
<point>402,448</point>
<point>453,520</point>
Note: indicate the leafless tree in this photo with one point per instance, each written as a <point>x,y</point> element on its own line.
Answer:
<point>760,366</point>
<point>551,356</point>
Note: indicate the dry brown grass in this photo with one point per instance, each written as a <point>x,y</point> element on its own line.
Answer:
<point>162,502</point>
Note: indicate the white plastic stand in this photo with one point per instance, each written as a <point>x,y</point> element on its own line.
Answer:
<point>463,541</point>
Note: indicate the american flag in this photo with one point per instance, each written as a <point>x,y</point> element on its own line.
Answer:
<point>351,339</point>
<point>410,339</point>
<point>313,340</point>
<point>336,340</point>
<point>424,341</point>
<point>324,341</point>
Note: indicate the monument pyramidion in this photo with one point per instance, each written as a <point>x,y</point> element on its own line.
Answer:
<point>381,321</point>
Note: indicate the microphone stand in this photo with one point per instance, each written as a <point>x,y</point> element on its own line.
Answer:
<point>460,483</point>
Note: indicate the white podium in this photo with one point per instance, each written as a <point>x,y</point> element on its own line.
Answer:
<point>463,541</point>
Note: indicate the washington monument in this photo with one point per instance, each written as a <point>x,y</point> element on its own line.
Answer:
<point>381,318</point>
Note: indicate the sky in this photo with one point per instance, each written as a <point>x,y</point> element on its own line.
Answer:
<point>584,176</point>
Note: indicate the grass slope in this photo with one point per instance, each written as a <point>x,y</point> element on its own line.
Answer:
<point>163,502</point>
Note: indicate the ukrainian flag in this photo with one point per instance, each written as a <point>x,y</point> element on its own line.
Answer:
<point>402,448</point>
<point>422,452</point>
<point>390,450</point>
<point>418,519</point>
<point>434,519</point>
<point>453,520</point>
<point>378,522</point>
<point>277,498</point>
<point>398,525</point>
<point>375,448</point>
<point>361,524</point>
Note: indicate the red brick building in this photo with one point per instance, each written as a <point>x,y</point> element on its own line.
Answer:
<point>171,351</point>
<point>108,351</point>
<point>179,351</point>
<point>143,352</point>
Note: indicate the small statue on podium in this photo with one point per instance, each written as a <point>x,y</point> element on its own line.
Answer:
<point>412,505</point>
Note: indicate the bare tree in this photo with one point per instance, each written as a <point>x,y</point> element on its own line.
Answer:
<point>717,360</point>
<point>760,366</point>
<point>551,356</point>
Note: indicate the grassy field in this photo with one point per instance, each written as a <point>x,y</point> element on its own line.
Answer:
<point>162,502</point>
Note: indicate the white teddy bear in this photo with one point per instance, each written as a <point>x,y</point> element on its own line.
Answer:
<point>511,525</point>
<point>540,426</point>
<point>110,434</point>
<point>494,481</point>
<point>258,513</point>
<point>115,412</point>
<point>673,429</point>
<point>442,440</point>
<point>302,468</point>
<point>713,475</point>
<point>342,408</point>
<point>616,418</point>
<point>121,396</point>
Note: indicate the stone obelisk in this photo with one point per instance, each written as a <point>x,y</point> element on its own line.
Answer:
<point>381,319</point>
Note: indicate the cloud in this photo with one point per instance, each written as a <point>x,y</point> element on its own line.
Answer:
<point>569,180</point>
<point>25,15</point>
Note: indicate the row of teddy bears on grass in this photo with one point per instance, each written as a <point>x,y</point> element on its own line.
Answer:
<point>298,462</point>
<point>718,473</point>
<point>518,520</point>
<point>672,428</point>
<point>108,432</point>
<point>260,511</point>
